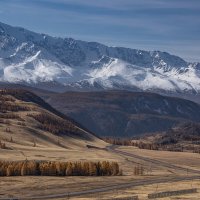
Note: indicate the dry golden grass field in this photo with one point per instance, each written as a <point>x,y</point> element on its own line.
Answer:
<point>42,186</point>
<point>162,170</point>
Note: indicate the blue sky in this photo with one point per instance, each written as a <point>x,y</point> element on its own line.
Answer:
<point>167,25</point>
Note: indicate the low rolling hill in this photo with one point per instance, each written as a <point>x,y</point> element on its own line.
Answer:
<point>26,121</point>
<point>184,137</point>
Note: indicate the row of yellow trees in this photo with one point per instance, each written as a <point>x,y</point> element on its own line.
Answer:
<point>51,168</point>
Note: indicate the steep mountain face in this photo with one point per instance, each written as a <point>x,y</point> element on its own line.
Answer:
<point>123,114</point>
<point>67,64</point>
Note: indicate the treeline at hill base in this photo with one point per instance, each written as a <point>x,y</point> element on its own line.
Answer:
<point>54,168</point>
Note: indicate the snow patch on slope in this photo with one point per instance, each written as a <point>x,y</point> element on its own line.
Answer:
<point>34,70</point>
<point>144,78</point>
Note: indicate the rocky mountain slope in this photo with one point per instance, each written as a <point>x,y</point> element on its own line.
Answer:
<point>123,114</point>
<point>62,64</point>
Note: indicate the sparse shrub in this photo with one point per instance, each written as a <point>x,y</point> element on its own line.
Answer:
<point>139,170</point>
<point>3,168</point>
<point>21,123</point>
<point>60,168</point>
<point>30,168</point>
<point>34,143</point>
<point>2,145</point>
<point>17,168</point>
<point>69,169</point>
<point>118,141</point>
<point>8,130</point>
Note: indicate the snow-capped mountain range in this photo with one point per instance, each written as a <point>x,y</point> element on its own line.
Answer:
<point>44,61</point>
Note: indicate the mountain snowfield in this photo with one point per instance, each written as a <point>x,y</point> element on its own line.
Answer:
<point>37,59</point>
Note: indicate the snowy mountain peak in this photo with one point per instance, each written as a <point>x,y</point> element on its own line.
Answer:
<point>31,58</point>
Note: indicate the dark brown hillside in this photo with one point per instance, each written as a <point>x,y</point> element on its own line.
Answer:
<point>122,113</point>
<point>183,132</point>
<point>184,137</point>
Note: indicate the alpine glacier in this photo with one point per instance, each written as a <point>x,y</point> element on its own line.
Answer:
<point>38,59</point>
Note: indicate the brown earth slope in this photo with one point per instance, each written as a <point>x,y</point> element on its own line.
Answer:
<point>27,121</point>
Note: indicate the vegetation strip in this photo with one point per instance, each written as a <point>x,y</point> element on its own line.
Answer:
<point>51,168</point>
